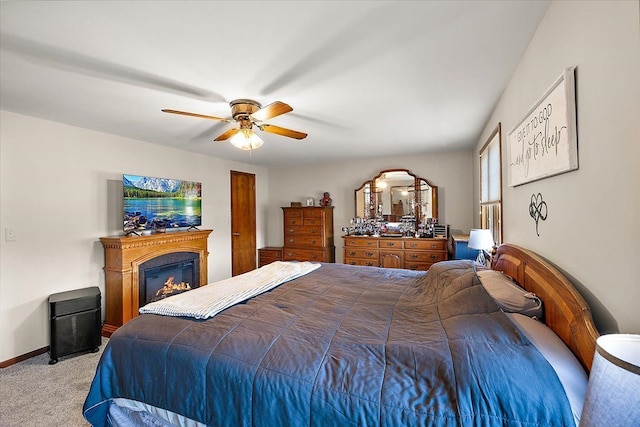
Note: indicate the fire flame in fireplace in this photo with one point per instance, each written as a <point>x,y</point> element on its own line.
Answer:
<point>170,287</point>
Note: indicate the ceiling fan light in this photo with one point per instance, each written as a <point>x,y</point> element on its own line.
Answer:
<point>246,139</point>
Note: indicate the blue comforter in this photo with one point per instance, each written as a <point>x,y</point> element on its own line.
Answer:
<point>343,345</point>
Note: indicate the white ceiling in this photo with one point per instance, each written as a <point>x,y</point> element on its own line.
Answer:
<point>365,78</point>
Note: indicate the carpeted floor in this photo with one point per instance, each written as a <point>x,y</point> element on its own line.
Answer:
<point>34,393</point>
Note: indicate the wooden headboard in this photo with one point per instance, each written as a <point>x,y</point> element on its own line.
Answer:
<point>565,311</point>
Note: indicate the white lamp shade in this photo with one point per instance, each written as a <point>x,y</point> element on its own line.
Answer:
<point>613,393</point>
<point>480,239</point>
<point>246,139</point>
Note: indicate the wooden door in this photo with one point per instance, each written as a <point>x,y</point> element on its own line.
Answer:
<point>243,222</point>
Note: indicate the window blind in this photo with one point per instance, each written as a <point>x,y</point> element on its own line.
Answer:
<point>490,171</point>
<point>490,186</point>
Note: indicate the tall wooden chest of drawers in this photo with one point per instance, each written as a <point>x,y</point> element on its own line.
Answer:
<point>410,253</point>
<point>308,234</point>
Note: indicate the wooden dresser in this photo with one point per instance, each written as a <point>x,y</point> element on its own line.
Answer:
<point>389,252</point>
<point>308,234</point>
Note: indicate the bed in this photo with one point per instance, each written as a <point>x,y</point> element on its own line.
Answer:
<point>348,345</point>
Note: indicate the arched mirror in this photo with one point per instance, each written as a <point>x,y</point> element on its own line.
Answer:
<point>396,195</point>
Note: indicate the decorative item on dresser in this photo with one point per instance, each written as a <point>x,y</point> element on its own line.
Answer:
<point>308,234</point>
<point>406,252</point>
<point>326,199</point>
<point>269,254</point>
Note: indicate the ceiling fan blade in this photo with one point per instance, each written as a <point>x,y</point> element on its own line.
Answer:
<point>283,131</point>
<point>270,111</point>
<point>201,116</point>
<point>228,134</point>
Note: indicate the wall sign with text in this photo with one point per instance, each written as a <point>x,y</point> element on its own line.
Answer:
<point>545,143</point>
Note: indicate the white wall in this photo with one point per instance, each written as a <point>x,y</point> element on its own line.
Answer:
<point>451,172</point>
<point>61,190</point>
<point>592,229</point>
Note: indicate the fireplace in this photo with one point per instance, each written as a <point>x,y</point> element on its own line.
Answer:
<point>168,275</point>
<point>127,256</point>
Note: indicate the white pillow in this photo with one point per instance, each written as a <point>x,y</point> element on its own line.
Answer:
<point>567,367</point>
<point>508,295</point>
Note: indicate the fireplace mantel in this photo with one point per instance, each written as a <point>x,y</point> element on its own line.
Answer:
<point>124,254</point>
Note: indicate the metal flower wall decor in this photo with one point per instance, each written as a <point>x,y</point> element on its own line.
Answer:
<point>538,209</point>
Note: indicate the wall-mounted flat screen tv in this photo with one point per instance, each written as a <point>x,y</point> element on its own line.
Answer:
<point>160,203</point>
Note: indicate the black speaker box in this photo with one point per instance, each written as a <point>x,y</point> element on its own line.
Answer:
<point>75,320</point>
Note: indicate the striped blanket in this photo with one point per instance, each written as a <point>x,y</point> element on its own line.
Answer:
<point>207,301</point>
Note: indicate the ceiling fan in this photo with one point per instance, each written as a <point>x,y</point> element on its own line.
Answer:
<point>247,113</point>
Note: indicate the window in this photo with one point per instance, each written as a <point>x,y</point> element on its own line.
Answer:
<point>491,185</point>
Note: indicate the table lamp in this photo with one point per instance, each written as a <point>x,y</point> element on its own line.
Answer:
<point>482,240</point>
<point>613,393</point>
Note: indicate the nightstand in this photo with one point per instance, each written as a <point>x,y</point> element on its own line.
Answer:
<point>269,254</point>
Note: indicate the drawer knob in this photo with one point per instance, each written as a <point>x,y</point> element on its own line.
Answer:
<point>413,256</point>
<point>369,254</point>
<point>352,253</point>
<point>434,257</point>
